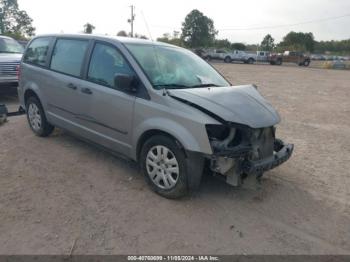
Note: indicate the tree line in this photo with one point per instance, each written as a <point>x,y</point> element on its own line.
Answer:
<point>198,31</point>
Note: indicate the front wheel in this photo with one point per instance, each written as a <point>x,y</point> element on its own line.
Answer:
<point>163,164</point>
<point>37,119</point>
<point>306,62</point>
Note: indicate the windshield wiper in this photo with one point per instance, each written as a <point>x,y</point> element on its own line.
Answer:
<point>204,85</point>
<point>174,86</point>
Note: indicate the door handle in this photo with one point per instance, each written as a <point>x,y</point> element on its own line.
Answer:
<point>72,86</point>
<point>86,91</point>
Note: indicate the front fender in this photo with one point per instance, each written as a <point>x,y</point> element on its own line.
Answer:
<point>178,131</point>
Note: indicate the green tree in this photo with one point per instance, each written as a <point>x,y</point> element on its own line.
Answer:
<point>268,43</point>
<point>238,46</point>
<point>198,30</point>
<point>16,23</point>
<point>173,40</point>
<point>122,33</point>
<point>298,41</point>
<point>341,47</point>
<point>88,28</point>
<point>222,43</point>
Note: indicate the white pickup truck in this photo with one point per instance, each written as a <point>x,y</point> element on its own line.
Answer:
<point>237,55</point>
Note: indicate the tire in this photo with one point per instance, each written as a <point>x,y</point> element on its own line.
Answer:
<point>208,58</point>
<point>227,59</point>
<point>37,119</point>
<point>279,62</point>
<point>154,162</point>
<point>306,63</point>
<point>251,61</point>
<point>272,63</point>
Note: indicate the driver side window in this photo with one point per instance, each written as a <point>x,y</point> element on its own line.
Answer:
<point>106,62</point>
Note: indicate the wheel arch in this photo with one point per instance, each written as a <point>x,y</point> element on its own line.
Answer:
<point>29,93</point>
<point>150,133</point>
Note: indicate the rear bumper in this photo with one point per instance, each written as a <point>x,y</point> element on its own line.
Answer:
<point>8,81</point>
<point>280,156</point>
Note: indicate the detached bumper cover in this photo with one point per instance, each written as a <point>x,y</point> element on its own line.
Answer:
<point>282,155</point>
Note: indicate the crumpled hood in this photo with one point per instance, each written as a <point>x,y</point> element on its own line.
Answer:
<point>236,104</point>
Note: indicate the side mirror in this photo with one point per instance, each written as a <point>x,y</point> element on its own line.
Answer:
<point>126,82</point>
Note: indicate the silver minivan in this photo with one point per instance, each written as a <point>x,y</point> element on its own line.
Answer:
<point>157,104</point>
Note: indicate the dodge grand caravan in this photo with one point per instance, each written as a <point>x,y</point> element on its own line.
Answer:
<point>157,104</point>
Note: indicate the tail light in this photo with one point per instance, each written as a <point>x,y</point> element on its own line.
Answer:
<point>18,71</point>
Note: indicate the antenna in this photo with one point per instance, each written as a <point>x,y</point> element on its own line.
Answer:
<point>149,32</point>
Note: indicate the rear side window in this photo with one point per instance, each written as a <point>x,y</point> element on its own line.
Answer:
<point>106,62</point>
<point>68,56</point>
<point>37,51</point>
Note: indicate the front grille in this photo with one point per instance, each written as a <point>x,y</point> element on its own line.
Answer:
<point>8,68</point>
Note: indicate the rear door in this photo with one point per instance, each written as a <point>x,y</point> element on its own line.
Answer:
<point>66,105</point>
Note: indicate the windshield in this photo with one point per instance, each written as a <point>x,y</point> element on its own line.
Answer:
<point>10,46</point>
<point>172,67</point>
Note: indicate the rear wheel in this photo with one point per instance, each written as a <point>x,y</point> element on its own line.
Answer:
<point>251,61</point>
<point>163,164</point>
<point>306,62</point>
<point>279,62</point>
<point>227,59</point>
<point>208,58</point>
<point>37,119</point>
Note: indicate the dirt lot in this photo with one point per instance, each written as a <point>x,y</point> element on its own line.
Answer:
<point>59,190</point>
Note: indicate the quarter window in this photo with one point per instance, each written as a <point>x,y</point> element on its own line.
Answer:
<point>106,62</point>
<point>68,56</point>
<point>37,51</point>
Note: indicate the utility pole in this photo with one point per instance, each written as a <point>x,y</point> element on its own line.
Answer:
<point>131,20</point>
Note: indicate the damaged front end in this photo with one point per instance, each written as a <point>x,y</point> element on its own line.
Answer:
<point>240,151</point>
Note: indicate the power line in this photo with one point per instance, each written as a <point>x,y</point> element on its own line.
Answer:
<point>268,27</point>
<point>286,25</point>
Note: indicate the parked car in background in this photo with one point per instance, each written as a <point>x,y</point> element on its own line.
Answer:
<point>157,104</point>
<point>298,58</point>
<point>10,57</point>
<point>228,57</point>
<point>275,59</point>
<point>216,54</point>
<point>317,57</point>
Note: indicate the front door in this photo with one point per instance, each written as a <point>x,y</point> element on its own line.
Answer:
<point>111,110</point>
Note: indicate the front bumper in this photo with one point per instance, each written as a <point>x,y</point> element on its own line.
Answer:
<point>237,162</point>
<point>258,166</point>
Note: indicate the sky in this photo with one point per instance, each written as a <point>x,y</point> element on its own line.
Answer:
<point>156,17</point>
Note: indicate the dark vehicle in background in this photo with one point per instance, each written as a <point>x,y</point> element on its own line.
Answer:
<point>275,59</point>
<point>298,58</point>
<point>10,57</point>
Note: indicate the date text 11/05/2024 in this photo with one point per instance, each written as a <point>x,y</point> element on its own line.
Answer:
<point>173,258</point>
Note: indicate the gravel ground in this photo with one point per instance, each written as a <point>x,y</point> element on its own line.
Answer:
<point>58,191</point>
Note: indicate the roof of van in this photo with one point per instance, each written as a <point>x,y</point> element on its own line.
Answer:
<point>126,40</point>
